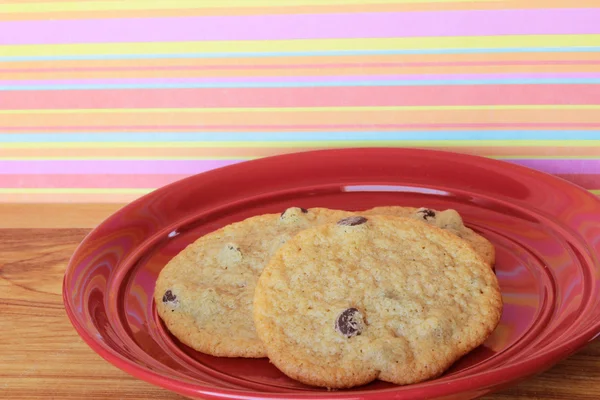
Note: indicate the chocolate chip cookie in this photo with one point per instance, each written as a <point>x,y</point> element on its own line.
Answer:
<point>449,220</point>
<point>374,297</point>
<point>204,294</point>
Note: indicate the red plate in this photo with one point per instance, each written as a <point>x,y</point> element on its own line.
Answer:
<point>546,232</point>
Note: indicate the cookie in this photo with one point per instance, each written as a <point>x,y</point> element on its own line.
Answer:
<point>204,294</point>
<point>449,220</point>
<point>374,297</point>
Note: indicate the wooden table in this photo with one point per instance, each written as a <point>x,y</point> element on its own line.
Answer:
<point>42,357</point>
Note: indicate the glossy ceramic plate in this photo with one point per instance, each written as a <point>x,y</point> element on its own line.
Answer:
<point>546,232</point>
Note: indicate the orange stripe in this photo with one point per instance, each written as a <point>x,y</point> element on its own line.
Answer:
<point>71,197</point>
<point>498,5</point>
<point>243,152</point>
<point>317,70</point>
<point>242,62</point>
<point>298,119</point>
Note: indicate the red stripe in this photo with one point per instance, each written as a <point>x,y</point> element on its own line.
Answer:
<point>303,97</point>
<point>587,181</point>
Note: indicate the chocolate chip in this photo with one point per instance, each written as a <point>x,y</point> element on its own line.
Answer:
<point>169,297</point>
<point>426,213</point>
<point>349,323</point>
<point>352,221</point>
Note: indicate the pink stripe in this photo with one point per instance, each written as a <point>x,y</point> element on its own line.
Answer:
<point>304,79</point>
<point>118,167</point>
<point>305,127</point>
<point>186,167</point>
<point>88,181</point>
<point>302,97</point>
<point>572,166</point>
<point>336,66</point>
<point>305,26</point>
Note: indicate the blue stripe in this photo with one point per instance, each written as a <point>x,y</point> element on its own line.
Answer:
<point>350,83</point>
<point>298,136</point>
<point>302,54</point>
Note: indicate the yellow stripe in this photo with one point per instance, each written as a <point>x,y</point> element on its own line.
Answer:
<point>596,192</point>
<point>74,190</point>
<point>302,109</point>
<point>461,42</point>
<point>186,4</point>
<point>353,143</point>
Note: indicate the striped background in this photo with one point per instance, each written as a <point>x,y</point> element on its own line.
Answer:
<point>106,100</point>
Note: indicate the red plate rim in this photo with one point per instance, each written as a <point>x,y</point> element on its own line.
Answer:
<point>538,362</point>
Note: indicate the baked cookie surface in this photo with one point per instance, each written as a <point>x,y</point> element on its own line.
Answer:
<point>204,294</point>
<point>449,220</point>
<point>342,304</point>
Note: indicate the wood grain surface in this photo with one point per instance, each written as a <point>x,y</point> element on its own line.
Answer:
<point>42,357</point>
